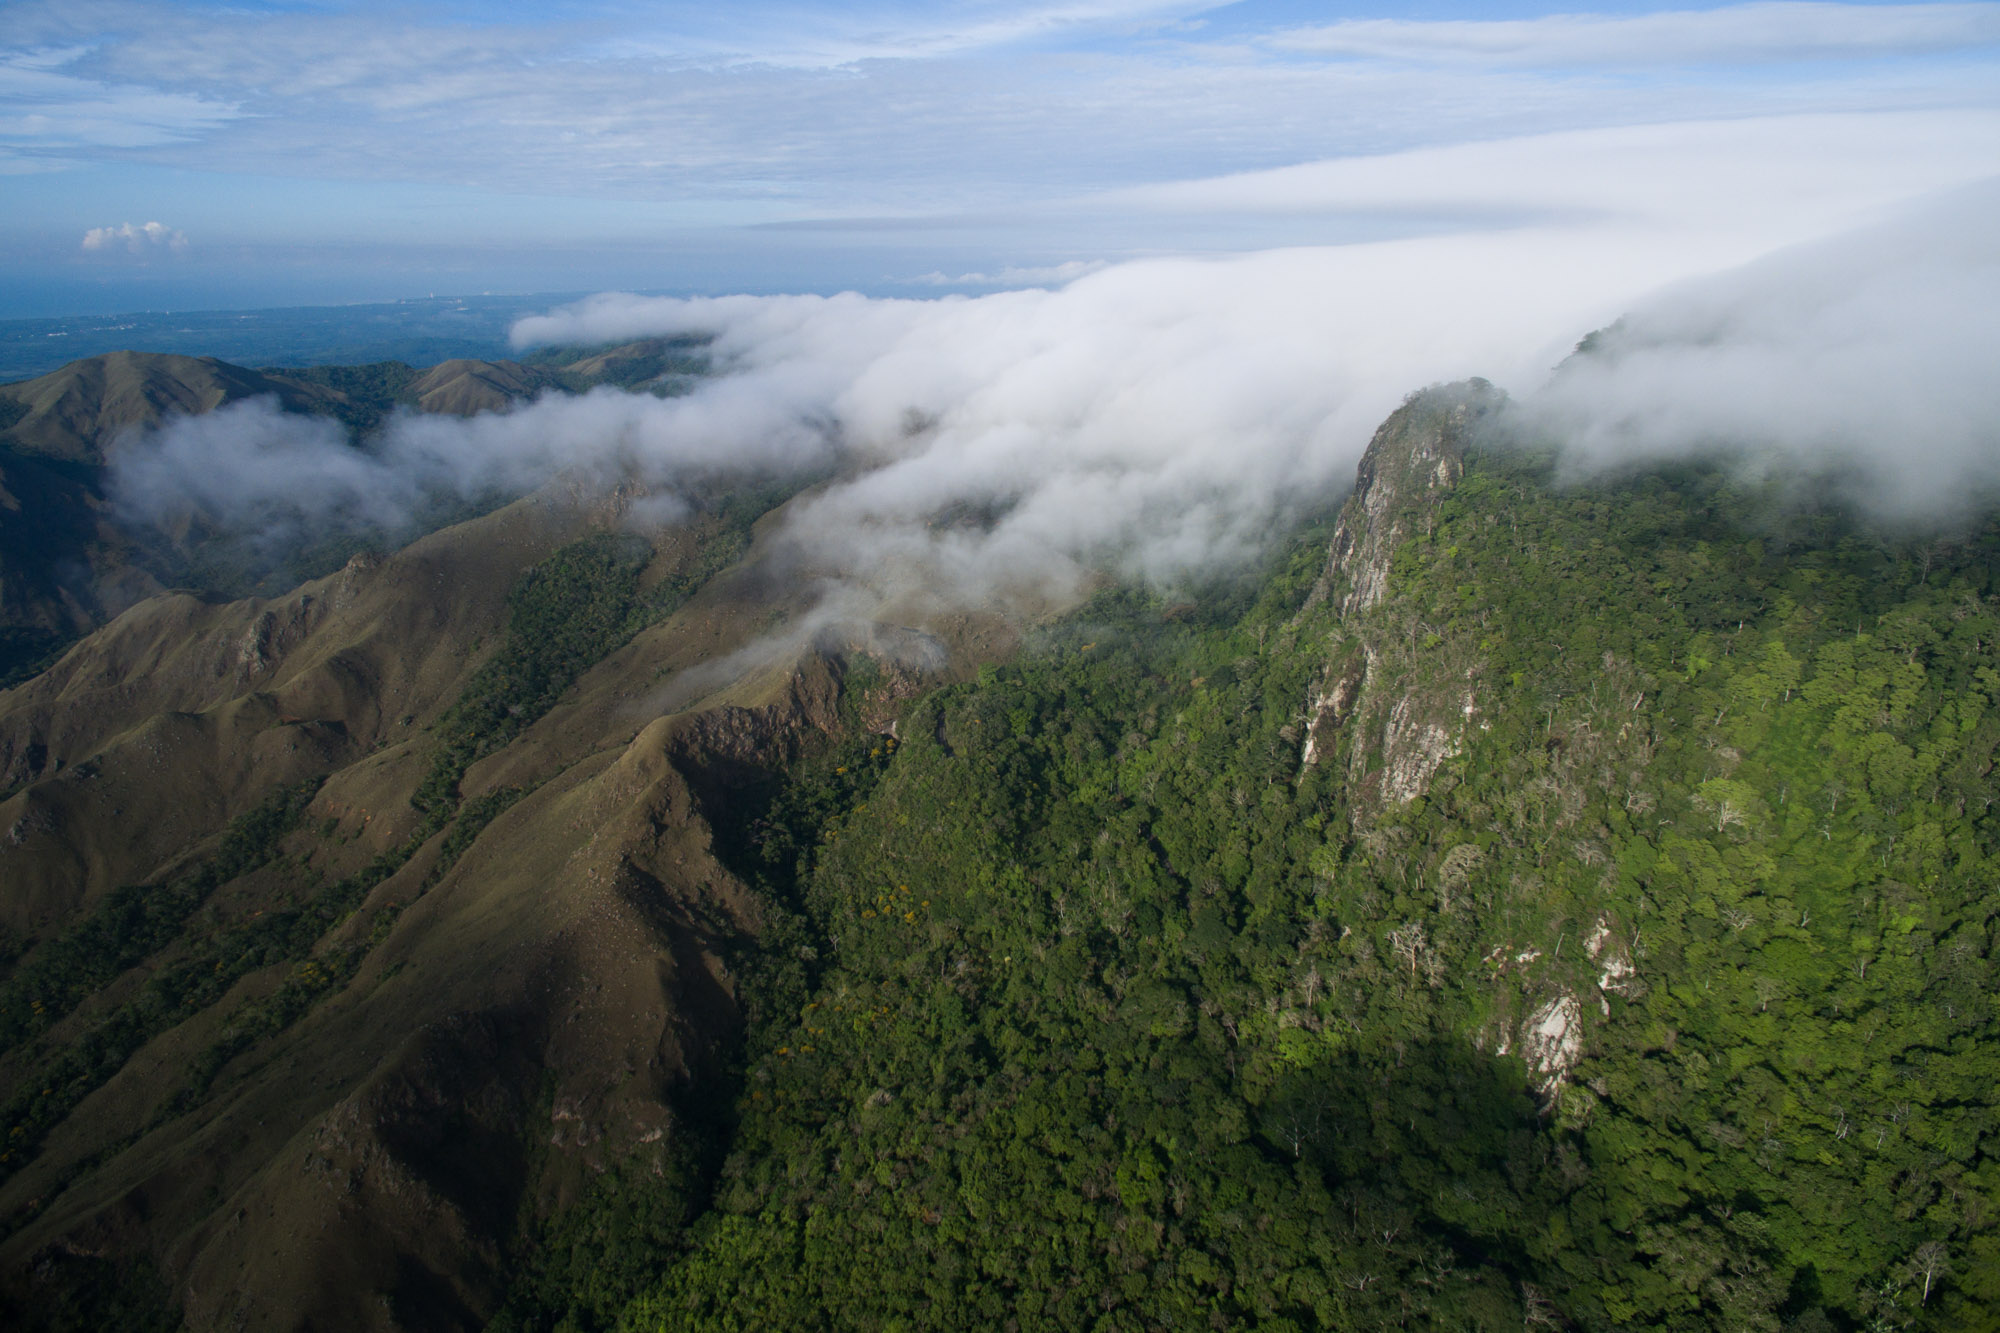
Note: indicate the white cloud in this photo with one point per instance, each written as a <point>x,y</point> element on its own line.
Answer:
<point>1874,357</point>
<point>1160,416</point>
<point>1157,417</point>
<point>1687,172</point>
<point>253,467</point>
<point>1768,32</point>
<point>851,36</point>
<point>140,239</point>
<point>1712,193</point>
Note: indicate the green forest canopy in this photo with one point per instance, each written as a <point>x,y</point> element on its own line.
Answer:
<point>1091,1009</point>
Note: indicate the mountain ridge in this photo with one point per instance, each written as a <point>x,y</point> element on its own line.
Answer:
<point>70,560</point>
<point>1523,902</point>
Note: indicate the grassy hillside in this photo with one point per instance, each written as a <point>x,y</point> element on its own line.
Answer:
<point>182,999</point>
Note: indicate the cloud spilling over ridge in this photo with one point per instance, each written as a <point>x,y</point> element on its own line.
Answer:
<point>1162,418</point>
<point>1874,356</point>
<point>1157,418</point>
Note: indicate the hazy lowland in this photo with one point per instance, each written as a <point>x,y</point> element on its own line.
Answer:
<point>792,813</point>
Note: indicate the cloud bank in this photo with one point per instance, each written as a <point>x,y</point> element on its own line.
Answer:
<point>1161,418</point>
<point>251,468</point>
<point>1873,357</point>
<point>1158,419</point>
<point>1037,276</point>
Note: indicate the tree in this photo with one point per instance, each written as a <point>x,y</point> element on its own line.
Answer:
<point>1410,942</point>
<point>1930,1262</point>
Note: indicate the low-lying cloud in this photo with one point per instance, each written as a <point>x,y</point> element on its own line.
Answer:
<point>1873,358</point>
<point>1157,418</point>
<point>1046,275</point>
<point>1162,419</point>
<point>250,467</point>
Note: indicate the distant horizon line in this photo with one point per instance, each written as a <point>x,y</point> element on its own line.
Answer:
<point>567,294</point>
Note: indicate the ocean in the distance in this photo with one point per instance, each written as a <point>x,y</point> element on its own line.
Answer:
<point>420,332</point>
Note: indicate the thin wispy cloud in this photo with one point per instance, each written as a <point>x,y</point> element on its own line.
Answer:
<point>823,40</point>
<point>47,108</point>
<point>888,144</point>
<point>1037,276</point>
<point>816,112</point>
<point>1741,34</point>
<point>1772,179</point>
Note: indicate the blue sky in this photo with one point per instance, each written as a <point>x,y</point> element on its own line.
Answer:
<point>327,152</point>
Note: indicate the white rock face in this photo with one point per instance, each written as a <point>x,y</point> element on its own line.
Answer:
<point>1617,964</point>
<point>1552,1041</point>
<point>1593,943</point>
<point>1413,749</point>
<point>1414,455</point>
<point>1414,459</point>
<point>1617,971</point>
<point>1330,707</point>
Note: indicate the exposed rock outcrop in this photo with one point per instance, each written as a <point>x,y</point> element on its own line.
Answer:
<point>1415,456</point>
<point>1397,691</point>
<point>1552,1041</point>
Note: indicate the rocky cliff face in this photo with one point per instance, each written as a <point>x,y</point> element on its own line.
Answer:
<point>1401,695</point>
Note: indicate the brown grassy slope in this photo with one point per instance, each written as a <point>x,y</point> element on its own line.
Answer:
<point>65,564</point>
<point>152,733</point>
<point>363,1169</point>
<point>74,414</point>
<point>513,1025</point>
<point>467,387</point>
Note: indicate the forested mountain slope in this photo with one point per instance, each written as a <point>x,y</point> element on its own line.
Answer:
<point>1620,960</point>
<point>1523,904</point>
